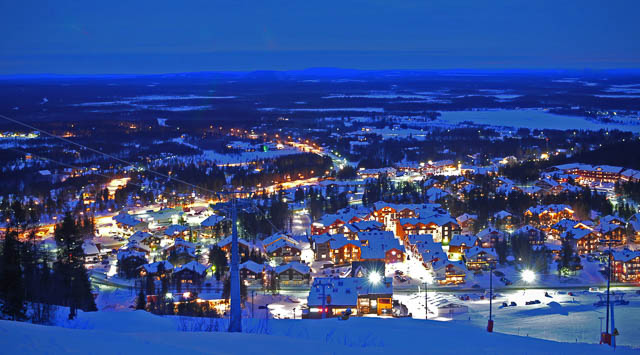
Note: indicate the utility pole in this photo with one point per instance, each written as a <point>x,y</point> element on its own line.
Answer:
<point>235,324</point>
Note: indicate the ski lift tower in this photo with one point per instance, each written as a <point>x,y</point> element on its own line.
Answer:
<point>605,338</point>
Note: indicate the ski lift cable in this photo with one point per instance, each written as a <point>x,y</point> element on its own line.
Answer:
<point>68,165</point>
<point>134,164</point>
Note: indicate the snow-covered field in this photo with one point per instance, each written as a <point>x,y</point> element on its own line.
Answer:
<point>245,157</point>
<point>533,119</point>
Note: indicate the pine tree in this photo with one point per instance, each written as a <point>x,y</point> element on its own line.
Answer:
<point>11,281</point>
<point>70,267</point>
<point>141,302</point>
<point>218,258</point>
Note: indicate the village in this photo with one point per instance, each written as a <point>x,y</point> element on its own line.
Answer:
<point>359,259</point>
<point>382,217</point>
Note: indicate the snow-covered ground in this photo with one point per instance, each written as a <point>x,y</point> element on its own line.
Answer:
<point>534,119</point>
<point>561,317</point>
<point>138,332</point>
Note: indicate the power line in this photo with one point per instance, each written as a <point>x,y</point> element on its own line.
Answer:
<point>277,230</point>
<point>105,154</point>
<point>69,165</point>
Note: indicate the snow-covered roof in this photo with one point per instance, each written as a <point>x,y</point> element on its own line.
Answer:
<point>439,220</point>
<point>625,255</point>
<point>175,229</point>
<point>488,232</point>
<point>133,244</point>
<point>527,229</point>
<point>608,227</point>
<point>179,242</point>
<point>612,219</point>
<point>502,214</point>
<point>376,235</point>
<point>212,220</point>
<point>280,243</point>
<point>444,262</point>
<point>459,240</point>
<point>465,217</point>
<point>323,238</point>
<point>377,249</point>
<point>126,219</point>
<point>227,241</point>
<point>126,253</point>
<point>193,266</point>
<point>329,219</point>
<point>338,243</point>
<point>345,291</point>
<point>90,248</point>
<point>278,236</point>
<point>140,236</point>
<point>554,208</point>
<point>435,193</point>
<point>152,268</point>
<point>565,224</point>
<point>576,233</point>
<point>470,253</point>
<point>295,265</point>
<point>252,266</point>
<point>367,225</point>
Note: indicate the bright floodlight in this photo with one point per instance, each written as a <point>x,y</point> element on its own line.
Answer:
<point>528,276</point>
<point>374,277</point>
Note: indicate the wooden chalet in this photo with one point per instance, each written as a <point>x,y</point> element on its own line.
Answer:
<point>293,274</point>
<point>344,251</point>
<point>478,258</point>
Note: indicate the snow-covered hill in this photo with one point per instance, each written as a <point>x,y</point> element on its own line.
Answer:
<point>141,333</point>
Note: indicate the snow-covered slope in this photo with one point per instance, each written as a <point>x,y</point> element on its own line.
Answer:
<point>141,333</point>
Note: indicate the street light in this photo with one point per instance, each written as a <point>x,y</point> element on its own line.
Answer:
<point>528,276</point>
<point>426,299</point>
<point>490,322</point>
<point>374,278</point>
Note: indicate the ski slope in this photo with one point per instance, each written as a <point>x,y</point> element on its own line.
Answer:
<point>138,332</point>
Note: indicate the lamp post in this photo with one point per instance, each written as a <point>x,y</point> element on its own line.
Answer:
<point>426,299</point>
<point>252,303</point>
<point>490,323</point>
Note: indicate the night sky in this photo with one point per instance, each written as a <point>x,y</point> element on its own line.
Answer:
<point>140,36</point>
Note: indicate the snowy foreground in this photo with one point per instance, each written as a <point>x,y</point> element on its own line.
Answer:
<point>138,332</point>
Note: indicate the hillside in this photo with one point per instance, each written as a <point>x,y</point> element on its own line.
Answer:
<point>140,332</point>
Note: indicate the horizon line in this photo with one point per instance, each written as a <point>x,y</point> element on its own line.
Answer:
<point>309,70</point>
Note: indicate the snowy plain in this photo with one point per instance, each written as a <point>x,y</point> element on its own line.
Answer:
<point>533,119</point>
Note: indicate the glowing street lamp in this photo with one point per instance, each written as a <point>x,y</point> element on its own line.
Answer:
<point>528,276</point>
<point>374,278</point>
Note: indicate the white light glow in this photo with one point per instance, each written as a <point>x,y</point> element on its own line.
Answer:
<point>374,277</point>
<point>528,276</point>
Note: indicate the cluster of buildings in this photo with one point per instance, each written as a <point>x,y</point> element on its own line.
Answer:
<point>597,175</point>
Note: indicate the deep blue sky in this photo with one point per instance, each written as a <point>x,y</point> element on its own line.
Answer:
<point>141,36</point>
